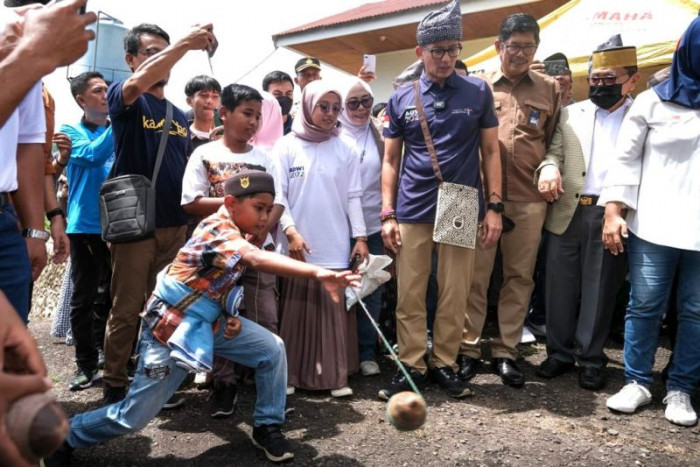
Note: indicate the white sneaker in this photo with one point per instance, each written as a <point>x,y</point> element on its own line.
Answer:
<point>290,390</point>
<point>369,368</point>
<point>679,410</point>
<point>629,398</point>
<point>528,337</point>
<point>342,392</point>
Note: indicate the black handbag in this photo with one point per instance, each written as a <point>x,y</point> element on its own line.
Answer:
<point>128,202</point>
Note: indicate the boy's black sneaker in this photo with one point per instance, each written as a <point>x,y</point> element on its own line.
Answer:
<point>223,400</point>
<point>61,457</point>
<point>270,439</point>
<point>112,394</point>
<point>83,379</point>
<point>450,382</point>
<point>399,383</point>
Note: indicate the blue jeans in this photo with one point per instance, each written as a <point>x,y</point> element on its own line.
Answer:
<point>157,378</point>
<point>15,270</point>
<point>366,334</point>
<point>652,268</point>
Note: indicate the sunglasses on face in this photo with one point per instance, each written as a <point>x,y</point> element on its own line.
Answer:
<point>326,108</point>
<point>354,104</point>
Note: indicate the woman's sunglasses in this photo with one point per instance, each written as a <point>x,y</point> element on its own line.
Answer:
<point>354,104</point>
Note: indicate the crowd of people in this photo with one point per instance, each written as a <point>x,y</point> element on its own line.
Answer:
<point>264,209</point>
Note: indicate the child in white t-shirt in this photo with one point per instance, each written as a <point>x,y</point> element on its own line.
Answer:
<point>208,168</point>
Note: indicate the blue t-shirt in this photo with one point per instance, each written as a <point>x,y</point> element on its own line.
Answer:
<point>465,106</point>
<point>137,131</point>
<point>90,161</point>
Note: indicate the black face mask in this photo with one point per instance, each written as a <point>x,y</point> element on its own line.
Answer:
<point>285,103</point>
<point>605,96</point>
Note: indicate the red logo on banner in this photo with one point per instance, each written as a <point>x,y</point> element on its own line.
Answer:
<point>622,16</point>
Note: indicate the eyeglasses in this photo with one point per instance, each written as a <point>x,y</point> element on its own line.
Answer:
<point>453,52</point>
<point>354,104</point>
<point>326,108</point>
<point>526,49</point>
<point>607,80</point>
<point>149,52</point>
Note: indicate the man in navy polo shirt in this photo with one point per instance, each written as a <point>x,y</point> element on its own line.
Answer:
<point>137,111</point>
<point>460,115</point>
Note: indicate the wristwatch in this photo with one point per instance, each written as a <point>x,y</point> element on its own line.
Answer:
<point>55,212</point>
<point>496,207</point>
<point>34,233</point>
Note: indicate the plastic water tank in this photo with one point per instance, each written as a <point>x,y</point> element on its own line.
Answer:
<point>105,54</point>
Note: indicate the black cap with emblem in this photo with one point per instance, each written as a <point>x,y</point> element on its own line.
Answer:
<point>250,182</point>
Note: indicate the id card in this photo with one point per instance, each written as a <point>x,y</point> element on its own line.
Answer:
<point>534,118</point>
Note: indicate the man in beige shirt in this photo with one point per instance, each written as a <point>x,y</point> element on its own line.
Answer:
<point>527,105</point>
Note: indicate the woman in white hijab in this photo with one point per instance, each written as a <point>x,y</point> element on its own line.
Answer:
<point>357,125</point>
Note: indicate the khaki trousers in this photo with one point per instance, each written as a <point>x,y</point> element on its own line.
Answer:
<point>519,251</point>
<point>454,275</point>
<point>134,269</point>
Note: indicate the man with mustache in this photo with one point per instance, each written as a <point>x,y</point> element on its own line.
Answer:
<point>527,105</point>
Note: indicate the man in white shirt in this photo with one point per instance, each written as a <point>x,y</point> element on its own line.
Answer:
<point>582,277</point>
<point>33,43</point>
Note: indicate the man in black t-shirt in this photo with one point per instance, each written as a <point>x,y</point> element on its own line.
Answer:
<point>137,111</point>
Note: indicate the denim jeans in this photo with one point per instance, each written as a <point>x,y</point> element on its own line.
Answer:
<point>157,378</point>
<point>652,268</point>
<point>366,334</point>
<point>15,271</point>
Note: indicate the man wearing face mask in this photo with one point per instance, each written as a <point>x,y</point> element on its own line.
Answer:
<point>280,85</point>
<point>582,277</point>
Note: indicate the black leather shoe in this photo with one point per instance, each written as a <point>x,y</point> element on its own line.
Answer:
<point>468,367</point>
<point>508,371</point>
<point>551,368</point>
<point>591,378</point>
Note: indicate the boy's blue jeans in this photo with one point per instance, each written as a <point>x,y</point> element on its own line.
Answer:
<point>157,378</point>
<point>652,268</point>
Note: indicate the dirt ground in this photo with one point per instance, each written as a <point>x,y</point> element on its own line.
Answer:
<point>546,423</point>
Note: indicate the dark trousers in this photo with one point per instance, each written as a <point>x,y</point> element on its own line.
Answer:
<point>15,271</point>
<point>91,273</point>
<point>582,282</point>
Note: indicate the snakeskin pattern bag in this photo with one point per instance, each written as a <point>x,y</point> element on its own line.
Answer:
<point>457,213</point>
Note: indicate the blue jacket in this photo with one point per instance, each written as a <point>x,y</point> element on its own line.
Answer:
<point>91,160</point>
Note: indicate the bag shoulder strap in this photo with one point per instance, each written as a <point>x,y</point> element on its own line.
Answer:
<point>426,133</point>
<point>163,141</point>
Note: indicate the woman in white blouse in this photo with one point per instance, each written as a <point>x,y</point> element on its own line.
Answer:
<point>357,126</point>
<point>320,177</point>
<point>656,177</point>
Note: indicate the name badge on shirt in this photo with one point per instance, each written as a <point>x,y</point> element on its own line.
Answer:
<point>534,118</point>
<point>439,105</point>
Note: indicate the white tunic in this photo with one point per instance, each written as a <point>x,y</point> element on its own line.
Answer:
<point>320,181</point>
<point>657,172</point>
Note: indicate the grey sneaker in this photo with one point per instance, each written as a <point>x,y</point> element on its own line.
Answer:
<point>83,379</point>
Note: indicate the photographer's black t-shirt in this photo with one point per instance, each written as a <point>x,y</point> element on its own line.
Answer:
<point>137,130</point>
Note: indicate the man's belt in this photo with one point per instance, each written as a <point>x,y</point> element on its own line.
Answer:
<point>588,200</point>
<point>4,198</point>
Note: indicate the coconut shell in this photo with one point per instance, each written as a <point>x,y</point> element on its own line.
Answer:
<point>37,425</point>
<point>406,411</point>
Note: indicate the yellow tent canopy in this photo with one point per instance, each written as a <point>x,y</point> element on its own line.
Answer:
<point>579,26</point>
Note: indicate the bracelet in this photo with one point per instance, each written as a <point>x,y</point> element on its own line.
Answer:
<point>387,214</point>
<point>361,239</point>
<point>388,217</point>
<point>55,212</point>
<point>493,193</point>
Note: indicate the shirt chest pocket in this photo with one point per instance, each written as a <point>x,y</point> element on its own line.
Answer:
<point>533,114</point>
